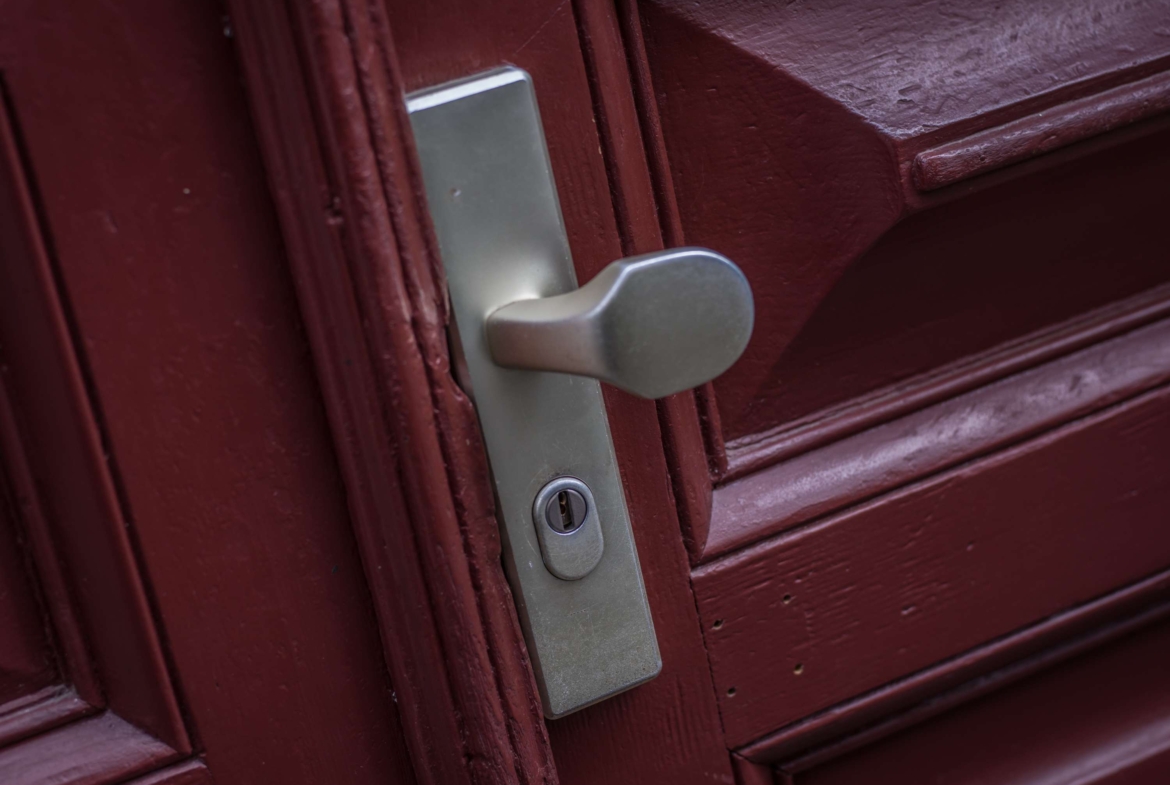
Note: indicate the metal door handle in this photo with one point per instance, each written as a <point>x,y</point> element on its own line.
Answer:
<point>652,325</point>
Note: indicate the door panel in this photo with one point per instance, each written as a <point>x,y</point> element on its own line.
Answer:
<point>161,426</point>
<point>1101,718</point>
<point>244,482</point>
<point>850,603</point>
<point>942,450</point>
<point>960,279</point>
<point>865,274</point>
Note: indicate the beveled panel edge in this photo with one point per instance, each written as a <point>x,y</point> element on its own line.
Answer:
<point>749,454</point>
<point>41,711</point>
<point>1042,132</point>
<point>979,671</point>
<point>62,473</point>
<point>1005,410</point>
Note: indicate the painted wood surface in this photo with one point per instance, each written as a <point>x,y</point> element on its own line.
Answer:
<point>937,437</point>
<point>1101,718</point>
<point>934,569</point>
<point>668,729</point>
<point>191,772</point>
<point>39,711</point>
<point>62,485</point>
<point>97,751</point>
<point>245,298</point>
<point>861,280</point>
<point>1041,133</point>
<point>221,488</point>
<point>980,671</point>
<point>759,451</point>
<point>27,664</point>
<point>405,434</point>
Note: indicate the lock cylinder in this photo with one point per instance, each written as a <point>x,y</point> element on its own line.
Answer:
<point>568,527</point>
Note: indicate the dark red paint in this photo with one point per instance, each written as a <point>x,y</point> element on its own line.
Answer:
<point>1103,718</point>
<point>929,571</point>
<point>821,114</point>
<point>170,420</point>
<point>249,533</point>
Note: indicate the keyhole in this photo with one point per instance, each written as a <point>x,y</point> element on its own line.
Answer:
<point>566,511</point>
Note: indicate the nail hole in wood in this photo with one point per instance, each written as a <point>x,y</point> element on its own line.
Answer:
<point>718,623</point>
<point>799,669</point>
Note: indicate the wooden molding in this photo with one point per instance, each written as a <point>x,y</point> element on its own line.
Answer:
<point>932,569</point>
<point>191,772</point>
<point>900,704</point>
<point>749,772</point>
<point>98,751</point>
<point>642,175</point>
<point>1040,133</point>
<point>64,489</point>
<point>777,191</point>
<point>979,687</point>
<point>759,451</point>
<point>1099,716</point>
<point>937,437</point>
<point>327,100</point>
<point>41,711</point>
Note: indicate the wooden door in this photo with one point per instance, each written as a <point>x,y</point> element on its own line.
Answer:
<point>941,464</point>
<point>917,534</point>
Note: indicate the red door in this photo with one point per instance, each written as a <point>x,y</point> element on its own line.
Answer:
<point>916,534</point>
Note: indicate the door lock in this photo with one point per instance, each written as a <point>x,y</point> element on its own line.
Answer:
<point>534,346</point>
<point>568,527</point>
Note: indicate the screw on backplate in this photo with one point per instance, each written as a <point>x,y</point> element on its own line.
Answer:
<point>566,511</point>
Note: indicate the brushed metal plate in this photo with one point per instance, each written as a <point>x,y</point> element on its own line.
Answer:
<point>494,205</point>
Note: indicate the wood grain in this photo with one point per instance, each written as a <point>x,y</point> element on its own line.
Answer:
<point>1103,717</point>
<point>1040,133</point>
<point>810,186</point>
<point>40,711</point>
<point>191,772</point>
<point>764,449</point>
<point>930,571</point>
<point>955,682</point>
<point>938,437</point>
<point>98,751</point>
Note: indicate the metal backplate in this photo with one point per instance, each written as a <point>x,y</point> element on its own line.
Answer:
<point>493,201</point>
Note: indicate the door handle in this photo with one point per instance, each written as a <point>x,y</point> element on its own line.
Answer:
<point>652,325</point>
<point>533,346</point>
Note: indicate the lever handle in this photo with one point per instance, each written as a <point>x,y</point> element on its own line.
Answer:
<point>652,325</point>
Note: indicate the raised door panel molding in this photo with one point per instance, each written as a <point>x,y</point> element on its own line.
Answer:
<point>174,285</point>
<point>97,751</point>
<point>928,693</point>
<point>936,437</point>
<point>59,495</point>
<point>929,571</point>
<point>1103,717</point>
<point>825,114</point>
